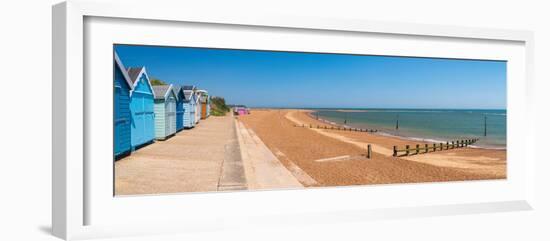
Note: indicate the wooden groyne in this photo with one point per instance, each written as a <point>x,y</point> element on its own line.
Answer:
<point>336,128</point>
<point>432,147</point>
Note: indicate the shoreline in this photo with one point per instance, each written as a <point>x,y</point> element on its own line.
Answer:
<point>391,135</point>
<point>336,158</point>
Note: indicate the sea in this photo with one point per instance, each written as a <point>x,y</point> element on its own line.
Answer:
<point>434,125</point>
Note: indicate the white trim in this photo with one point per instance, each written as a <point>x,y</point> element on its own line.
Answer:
<point>170,89</point>
<point>124,72</point>
<point>138,77</point>
<point>198,96</point>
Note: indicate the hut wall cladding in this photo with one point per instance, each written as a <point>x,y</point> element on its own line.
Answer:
<point>180,110</point>
<point>165,115</point>
<point>170,111</point>
<point>193,116</point>
<point>142,109</point>
<point>205,106</point>
<point>187,114</point>
<point>122,135</point>
<point>197,110</point>
<point>160,119</point>
<point>193,109</point>
<point>204,113</point>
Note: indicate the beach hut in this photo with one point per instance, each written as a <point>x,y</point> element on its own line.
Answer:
<point>122,116</point>
<point>198,105</point>
<point>141,108</point>
<point>205,104</point>
<point>165,111</point>
<point>189,104</point>
<point>180,110</point>
<point>208,107</point>
<point>240,110</point>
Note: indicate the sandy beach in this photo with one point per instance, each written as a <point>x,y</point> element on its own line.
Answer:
<point>335,158</point>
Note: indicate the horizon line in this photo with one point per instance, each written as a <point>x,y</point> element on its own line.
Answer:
<point>355,108</point>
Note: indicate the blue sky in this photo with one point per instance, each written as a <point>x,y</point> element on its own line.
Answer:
<point>286,79</point>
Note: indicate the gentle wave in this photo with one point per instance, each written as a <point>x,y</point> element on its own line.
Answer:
<point>413,137</point>
<point>423,111</point>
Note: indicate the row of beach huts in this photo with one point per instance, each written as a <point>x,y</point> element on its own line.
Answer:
<point>144,112</point>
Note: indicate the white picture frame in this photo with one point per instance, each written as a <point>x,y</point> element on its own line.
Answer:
<point>74,197</point>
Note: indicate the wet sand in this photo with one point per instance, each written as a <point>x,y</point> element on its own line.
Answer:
<point>335,158</point>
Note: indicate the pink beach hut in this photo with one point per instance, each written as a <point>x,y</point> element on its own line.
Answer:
<point>241,111</point>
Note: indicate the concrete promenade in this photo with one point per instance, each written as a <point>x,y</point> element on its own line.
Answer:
<point>219,154</point>
<point>203,159</point>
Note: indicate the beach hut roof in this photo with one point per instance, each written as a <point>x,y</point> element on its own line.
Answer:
<point>162,91</point>
<point>123,70</point>
<point>177,90</point>
<point>187,94</point>
<point>188,91</point>
<point>135,74</point>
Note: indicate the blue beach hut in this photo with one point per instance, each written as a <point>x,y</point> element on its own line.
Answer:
<point>180,111</point>
<point>165,111</point>
<point>122,116</point>
<point>189,104</point>
<point>142,108</point>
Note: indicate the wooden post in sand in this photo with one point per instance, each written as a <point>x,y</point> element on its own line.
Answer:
<point>447,146</point>
<point>441,146</point>
<point>435,147</point>
<point>397,122</point>
<point>368,151</point>
<point>394,150</point>
<point>425,148</point>
<point>417,149</point>
<point>407,150</point>
<point>485,125</point>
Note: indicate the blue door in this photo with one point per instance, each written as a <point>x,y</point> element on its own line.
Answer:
<point>149,117</point>
<point>121,120</point>
<point>138,119</point>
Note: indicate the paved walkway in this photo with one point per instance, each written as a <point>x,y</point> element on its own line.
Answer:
<point>205,158</point>
<point>263,169</point>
